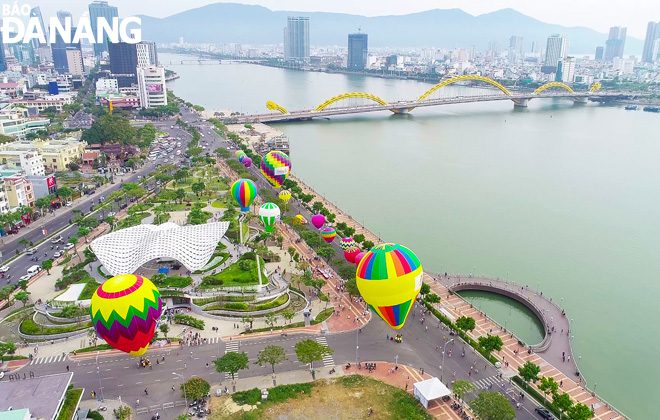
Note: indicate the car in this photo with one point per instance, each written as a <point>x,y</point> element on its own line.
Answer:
<point>112,213</point>
<point>56,240</point>
<point>4,269</point>
<point>68,246</point>
<point>26,277</point>
<point>31,251</point>
<point>544,413</point>
<point>58,254</point>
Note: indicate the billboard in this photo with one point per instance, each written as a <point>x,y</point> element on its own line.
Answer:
<point>50,181</point>
<point>154,87</point>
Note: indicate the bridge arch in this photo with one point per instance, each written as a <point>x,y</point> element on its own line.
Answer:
<point>553,85</point>
<point>595,87</point>
<point>472,77</point>
<point>275,107</point>
<point>349,95</point>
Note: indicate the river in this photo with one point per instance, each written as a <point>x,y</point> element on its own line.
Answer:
<point>557,196</point>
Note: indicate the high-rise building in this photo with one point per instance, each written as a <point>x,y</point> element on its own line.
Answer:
<point>146,54</point>
<point>152,89</point>
<point>600,53</point>
<point>515,47</point>
<point>652,34</point>
<point>59,47</point>
<point>101,9</point>
<point>615,43</point>
<point>62,15</point>
<point>74,62</point>
<point>36,13</point>
<point>357,51</point>
<point>555,50</point>
<point>123,62</point>
<point>3,59</point>
<point>565,70</point>
<point>296,39</point>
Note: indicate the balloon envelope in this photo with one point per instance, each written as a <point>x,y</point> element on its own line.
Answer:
<point>298,219</point>
<point>269,213</point>
<point>242,157</point>
<point>244,191</point>
<point>347,243</point>
<point>285,196</point>
<point>359,257</point>
<point>247,162</point>
<point>350,254</point>
<point>389,277</point>
<point>318,220</point>
<point>275,166</point>
<point>328,233</point>
<point>239,152</point>
<point>124,312</point>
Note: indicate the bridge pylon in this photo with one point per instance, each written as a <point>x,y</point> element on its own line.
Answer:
<point>581,100</point>
<point>521,103</point>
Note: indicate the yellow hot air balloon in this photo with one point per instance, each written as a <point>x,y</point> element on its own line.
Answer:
<point>285,196</point>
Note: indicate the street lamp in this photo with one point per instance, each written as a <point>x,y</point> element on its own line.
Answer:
<point>185,397</point>
<point>442,369</point>
<point>357,344</point>
<point>98,372</point>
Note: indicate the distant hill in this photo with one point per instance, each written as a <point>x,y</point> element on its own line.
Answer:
<point>449,28</point>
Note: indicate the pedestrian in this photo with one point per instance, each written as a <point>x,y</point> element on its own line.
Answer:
<point>172,388</point>
<point>137,402</point>
<point>67,368</point>
<point>146,392</point>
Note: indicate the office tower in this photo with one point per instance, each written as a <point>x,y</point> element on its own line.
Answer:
<point>565,70</point>
<point>62,15</point>
<point>36,13</point>
<point>101,9</point>
<point>357,51</point>
<point>600,53</point>
<point>555,50</point>
<point>59,47</point>
<point>152,89</point>
<point>515,45</point>
<point>123,62</point>
<point>296,39</point>
<point>3,59</point>
<point>74,61</point>
<point>146,54</point>
<point>615,43</point>
<point>652,34</point>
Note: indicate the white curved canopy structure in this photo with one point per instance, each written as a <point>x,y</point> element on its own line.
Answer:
<point>124,251</point>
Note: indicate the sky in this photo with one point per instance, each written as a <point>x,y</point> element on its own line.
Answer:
<point>595,14</point>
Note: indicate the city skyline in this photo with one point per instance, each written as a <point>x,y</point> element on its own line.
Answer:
<point>601,20</point>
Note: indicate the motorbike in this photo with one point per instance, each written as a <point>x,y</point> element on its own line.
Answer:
<point>102,408</point>
<point>332,371</point>
<point>348,366</point>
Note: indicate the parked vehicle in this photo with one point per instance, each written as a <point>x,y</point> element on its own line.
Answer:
<point>544,413</point>
<point>56,240</point>
<point>26,277</point>
<point>4,269</point>
<point>31,251</point>
<point>58,254</point>
<point>33,270</point>
<point>68,246</point>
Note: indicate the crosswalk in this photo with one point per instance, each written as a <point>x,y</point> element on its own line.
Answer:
<point>485,383</point>
<point>213,340</point>
<point>44,360</point>
<point>328,360</point>
<point>231,346</point>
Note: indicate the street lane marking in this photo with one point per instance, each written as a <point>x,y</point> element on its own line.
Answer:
<point>138,383</point>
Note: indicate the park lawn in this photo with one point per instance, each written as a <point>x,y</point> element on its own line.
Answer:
<point>234,276</point>
<point>70,404</point>
<point>90,287</point>
<point>174,206</point>
<point>218,204</point>
<point>345,398</point>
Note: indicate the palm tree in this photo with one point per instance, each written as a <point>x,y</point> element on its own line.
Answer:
<point>24,242</point>
<point>73,240</point>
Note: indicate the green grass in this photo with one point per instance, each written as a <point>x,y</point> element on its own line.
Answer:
<point>28,327</point>
<point>276,394</point>
<point>221,258</point>
<point>218,204</point>
<point>70,404</point>
<point>174,281</point>
<point>234,276</point>
<point>95,348</point>
<point>322,316</point>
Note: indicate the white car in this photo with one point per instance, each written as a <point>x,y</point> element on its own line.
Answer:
<point>4,269</point>
<point>31,251</point>
<point>68,246</point>
<point>111,214</point>
<point>58,254</point>
<point>26,277</point>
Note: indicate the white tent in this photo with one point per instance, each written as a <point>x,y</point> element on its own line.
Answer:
<point>428,390</point>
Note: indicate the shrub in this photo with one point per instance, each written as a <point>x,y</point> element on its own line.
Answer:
<point>95,415</point>
<point>273,304</point>
<point>70,404</point>
<point>188,320</point>
<point>249,397</point>
<point>239,306</point>
<point>282,393</point>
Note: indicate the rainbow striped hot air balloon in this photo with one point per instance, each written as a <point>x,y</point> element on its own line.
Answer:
<point>275,166</point>
<point>328,233</point>
<point>239,153</point>
<point>124,312</point>
<point>347,243</point>
<point>244,191</point>
<point>285,196</point>
<point>269,213</point>
<point>389,278</point>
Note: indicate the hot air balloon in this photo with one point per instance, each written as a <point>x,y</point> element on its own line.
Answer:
<point>269,213</point>
<point>124,312</point>
<point>244,191</point>
<point>318,220</point>
<point>239,153</point>
<point>276,167</point>
<point>351,253</point>
<point>298,219</point>
<point>247,162</point>
<point>328,233</point>
<point>347,243</point>
<point>242,157</point>
<point>389,278</point>
<point>285,196</point>
<point>359,256</point>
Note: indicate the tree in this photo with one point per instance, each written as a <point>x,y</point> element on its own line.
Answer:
<point>231,363</point>
<point>271,319</point>
<point>490,343</point>
<point>180,194</point>
<point>425,289</point>
<point>110,128</point>
<point>359,238</point>
<point>462,388</point>
<point>47,265</point>
<point>326,252</point>
<point>466,323</point>
<point>317,206</point>
<point>73,240</point>
<point>123,412</point>
<point>548,386</point>
<point>23,284</point>
<point>309,351</point>
<point>83,232</point>
<point>248,320</point>
<point>562,402</point>
<point>7,348</point>
<point>195,388</point>
<point>433,298</point>
<point>5,292</point>
<point>288,314</point>
<point>65,193</point>
<point>529,372</point>
<point>580,412</point>
<point>23,297</point>
<point>291,251</point>
<point>492,406</point>
<point>351,287</point>
<point>164,328</point>
<point>271,355</point>
<point>198,187</point>
<point>24,242</point>
<point>73,166</point>
<point>43,203</point>
<point>367,245</point>
<point>111,221</point>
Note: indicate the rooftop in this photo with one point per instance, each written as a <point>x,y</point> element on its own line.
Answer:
<point>42,395</point>
<point>14,414</point>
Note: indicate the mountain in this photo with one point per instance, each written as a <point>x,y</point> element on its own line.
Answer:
<point>442,28</point>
